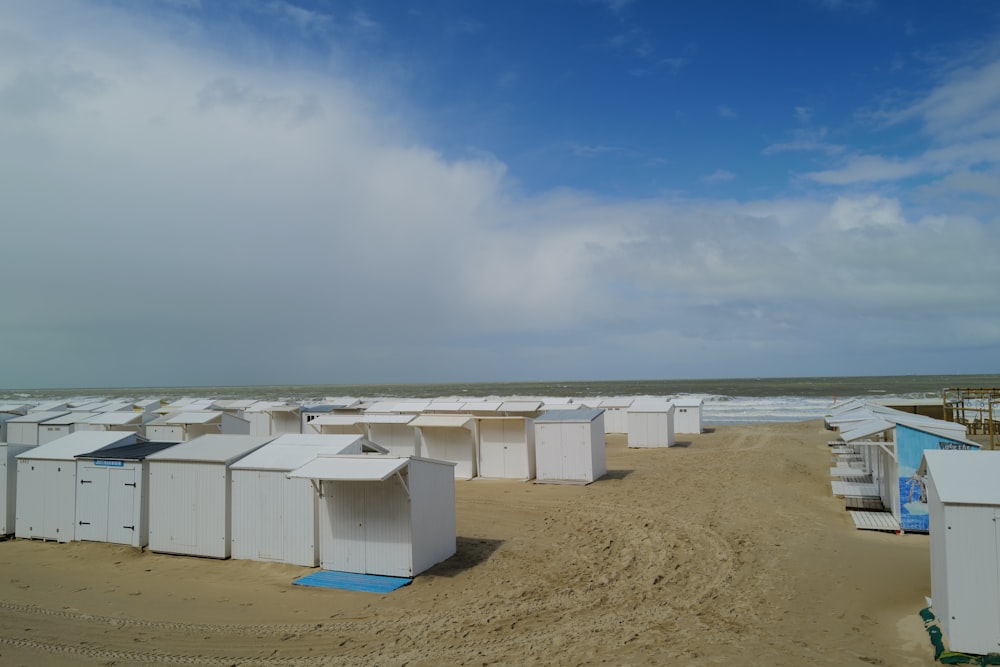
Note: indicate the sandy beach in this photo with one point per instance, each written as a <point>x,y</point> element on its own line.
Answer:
<point>727,549</point>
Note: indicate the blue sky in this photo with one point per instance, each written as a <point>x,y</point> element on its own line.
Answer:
<point>200,192</point>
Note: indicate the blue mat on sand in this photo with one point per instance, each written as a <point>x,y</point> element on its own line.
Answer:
<point>352,581</point>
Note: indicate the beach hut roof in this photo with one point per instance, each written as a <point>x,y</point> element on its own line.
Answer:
<point>343,402</point>
<point>49,406</point>
<point>521,406</point>
<point>688,401</point>
<point>212,448</point>
<point>866,429</point>
<point>68,418</point>
<point>114,418</point>
<point>337,420</point>
<point>379,418</point>
<point>37,417</point>
<point>583,415</point>
<point>442,421</point>
<point>68,446</point>
<point>483,406</point>
<point>617,402</point>
<point>651,405</point>
<point>130,452</point>
<point>446,406</point>
<point>351,468</point>
<point>15,408</point>
<point>965,477</point>
<point>202,417</point>
<point>288,453</point>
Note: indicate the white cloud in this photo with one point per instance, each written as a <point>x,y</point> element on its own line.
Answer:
<point>718,176</point>
<point>725,111</point>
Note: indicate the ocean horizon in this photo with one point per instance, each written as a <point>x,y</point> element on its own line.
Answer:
<point>727,400</point>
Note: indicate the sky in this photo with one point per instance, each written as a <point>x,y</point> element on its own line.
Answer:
<point>230,192</point>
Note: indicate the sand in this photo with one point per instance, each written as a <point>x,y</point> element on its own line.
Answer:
<point>728,549</point>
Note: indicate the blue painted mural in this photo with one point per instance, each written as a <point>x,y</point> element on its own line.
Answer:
<point>910,447</point>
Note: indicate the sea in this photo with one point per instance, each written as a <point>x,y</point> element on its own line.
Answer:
<point>726,400</point>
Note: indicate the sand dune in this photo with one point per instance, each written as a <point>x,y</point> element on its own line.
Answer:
<point>728,549</point>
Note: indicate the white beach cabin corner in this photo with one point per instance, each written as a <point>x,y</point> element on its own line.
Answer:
<point>190,496</point>
<point>506,447</point>
<point>386,515</point>
<point>47,481</point>
<point>274,517</point>
<point>964,506</point>
<point>569,446</point>
<point>688,411</point>
<point>448,438</point>
<point>25,429</point>
<point>112,493</point>
<point>181,426</point>
<point>651,423</point>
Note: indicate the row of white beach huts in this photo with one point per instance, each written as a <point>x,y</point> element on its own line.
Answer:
<point>369,492</point>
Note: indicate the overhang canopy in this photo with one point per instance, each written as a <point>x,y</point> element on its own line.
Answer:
<point>350,468</point>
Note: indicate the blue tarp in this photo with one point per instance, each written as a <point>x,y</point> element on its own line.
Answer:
<point>352,581</point>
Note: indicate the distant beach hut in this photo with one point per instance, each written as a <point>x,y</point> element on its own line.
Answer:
<point>483,408</point>
<point>688,414</point>
<point>392,431</point>
<point>270,418</point>
<point>47,481</point>
<point>449,437</point>
<point>651,423</point>
<point>8,485</point>
<point>386,515</point>
<point>615,413</point>
<point>190,495</point>
<point>274,517</point>
<point>132,422</point>
<point>963,501</point>
<point>55,406</point>
<point>26,429</point>
<point>181,426</point>
<point>57,427</point>
<point>521,408</point>
<point>506,447</point>
<point>112,493</point>
<point>337,424</point>
<point>569,446</point>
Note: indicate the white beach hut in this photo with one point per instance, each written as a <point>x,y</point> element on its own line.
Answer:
<point>386,515</point>
<point>190,495</point>
<point>26,429</point>
<point>275,517</point>
<point>688,414</point>
<point>448,438</point>
<point>569,446</point>
<point>392,431</point>
<point>113,421</point>
<point>506,447</point>
<point>112,493</point>
<point>334,424</point>
<point>57,427</point>
<point>651,423</point>
<point>181,426</point>
<point>8,485</point>
<point>963,500</point>
<point>47,481</point>
<point>615,413</point>
<point>269,418</point>
<point>9,411</point>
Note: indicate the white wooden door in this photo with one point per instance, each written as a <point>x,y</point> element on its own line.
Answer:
<point>92,504</point>
<point>492,449</point>
<point>123,496</point>
<point>345,521</point>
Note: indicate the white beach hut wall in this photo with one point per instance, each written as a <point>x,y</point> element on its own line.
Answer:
<point>181,426</point>
<point>386,515</point>
<point>25,429</point>
<point>275,517</point>
<point>112,493</point>
<point>569,446</point>
<point>506,447</point>
<point>132,422</point>
<point>46,484</point>
<point>268,418</point>
<point>651,423</point>
<point>393,432</point>
<point>963,501</point>
<point>57,427</point>
<point>448,438</point>
<point>190,496</point>
<point>10,411</point>
<point>688,412</point>
<point>615,413</point>
<point>8,480</point>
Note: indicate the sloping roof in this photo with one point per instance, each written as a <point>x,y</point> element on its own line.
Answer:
<point>520,406</point>
<point>286,454</point>
<point>114,418</point>
<point>964,476</point>
<point>368,418</point>
<point>351,469</point>
<point>618,402</point>
<point>133,452</point>
<point>204,417</point>
<point>651,405</point>
<point>213,448</point>
<point>866,429</point>
<point>69,446</point>
<point>688,401</point>
<point>442,421</point>
<point>37,417</point>
<point>336,420</point>
<point>584,415</point>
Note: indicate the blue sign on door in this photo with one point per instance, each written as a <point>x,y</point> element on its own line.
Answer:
<point>109,464</point>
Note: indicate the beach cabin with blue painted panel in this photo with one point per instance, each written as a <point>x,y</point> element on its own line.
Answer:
<point>569,446</point>
<point>651,423</point>
<point>47,481</point>
<point>506,447</point>
<point>963,502</point>
<point>386,515</point>
<point>112,493</point>
<point>688,414</point>
<point>275,517</point>
<point>190,494</point>
<point>448,438</point>
<point>26,429</point>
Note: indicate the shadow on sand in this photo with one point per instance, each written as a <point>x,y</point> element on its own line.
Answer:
<point>470,552</point>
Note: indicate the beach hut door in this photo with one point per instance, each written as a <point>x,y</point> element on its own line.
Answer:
<point>92,504</point>
<point>122,490</point>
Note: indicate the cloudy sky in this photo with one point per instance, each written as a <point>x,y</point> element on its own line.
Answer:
<point>308,191</point>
